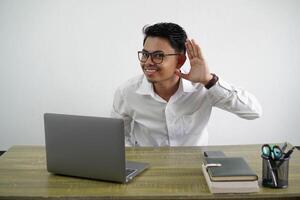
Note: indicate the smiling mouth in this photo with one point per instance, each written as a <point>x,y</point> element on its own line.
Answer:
<point>150,71</point>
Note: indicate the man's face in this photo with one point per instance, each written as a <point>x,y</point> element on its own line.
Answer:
<point>157,73</point>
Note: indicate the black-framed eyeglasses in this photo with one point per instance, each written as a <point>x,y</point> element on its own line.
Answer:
<point>157,57</point>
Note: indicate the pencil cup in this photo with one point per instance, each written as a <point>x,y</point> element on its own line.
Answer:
<point>275,173</point>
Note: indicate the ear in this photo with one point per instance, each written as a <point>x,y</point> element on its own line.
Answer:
<point>181,60</point>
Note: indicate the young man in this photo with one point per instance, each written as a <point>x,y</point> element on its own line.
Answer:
<point>164,107</point>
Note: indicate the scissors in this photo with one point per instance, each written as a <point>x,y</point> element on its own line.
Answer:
<point>273,152</point>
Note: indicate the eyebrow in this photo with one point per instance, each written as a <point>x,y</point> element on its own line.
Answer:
<point>159,51</point>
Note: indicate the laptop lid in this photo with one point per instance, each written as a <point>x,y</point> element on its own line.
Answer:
<point>90,147</point>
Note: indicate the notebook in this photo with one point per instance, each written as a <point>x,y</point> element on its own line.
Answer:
<point>230,186</point>
<point>88,147</point>
<point>231,169</point>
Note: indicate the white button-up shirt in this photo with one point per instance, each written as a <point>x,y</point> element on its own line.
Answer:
<point>149,120</point>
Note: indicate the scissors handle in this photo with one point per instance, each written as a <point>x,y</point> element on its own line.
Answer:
<point>272,152</point>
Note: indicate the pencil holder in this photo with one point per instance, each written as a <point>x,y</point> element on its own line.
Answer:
<point>275,173</point>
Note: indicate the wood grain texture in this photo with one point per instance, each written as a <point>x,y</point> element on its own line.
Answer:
<point>175,173</point>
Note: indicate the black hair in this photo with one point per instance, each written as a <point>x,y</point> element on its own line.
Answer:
<point>174,33</point>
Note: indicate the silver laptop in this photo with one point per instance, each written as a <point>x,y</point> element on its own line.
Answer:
<point>88,147</point>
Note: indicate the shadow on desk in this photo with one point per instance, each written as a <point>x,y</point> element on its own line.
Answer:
<point>2,152</point>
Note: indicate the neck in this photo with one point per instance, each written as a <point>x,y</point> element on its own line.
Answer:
<point>167,88</point>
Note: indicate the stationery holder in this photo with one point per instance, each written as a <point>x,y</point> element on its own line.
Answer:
<point>275,172</point>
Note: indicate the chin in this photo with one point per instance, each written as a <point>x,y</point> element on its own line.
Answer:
<point>151,80</point>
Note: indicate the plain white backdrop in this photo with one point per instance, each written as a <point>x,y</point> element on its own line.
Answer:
<point>70,56</point>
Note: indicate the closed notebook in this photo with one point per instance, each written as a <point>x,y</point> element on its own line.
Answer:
<point>230,186</point>
<point>231,169</point>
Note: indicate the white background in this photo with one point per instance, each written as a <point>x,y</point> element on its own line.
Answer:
<point>70,56</point>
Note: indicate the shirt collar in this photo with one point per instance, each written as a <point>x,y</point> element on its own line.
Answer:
<point>146,88</point>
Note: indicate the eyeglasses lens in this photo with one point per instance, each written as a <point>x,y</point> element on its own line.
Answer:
<point>143,56</point>
<point>156,57</point>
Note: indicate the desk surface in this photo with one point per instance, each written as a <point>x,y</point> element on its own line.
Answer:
<point>175,173</point>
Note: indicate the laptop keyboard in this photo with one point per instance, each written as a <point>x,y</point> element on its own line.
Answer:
<point>130,171</point>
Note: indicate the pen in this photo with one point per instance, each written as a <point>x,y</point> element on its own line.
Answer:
<point>271,170</point>
<point>283,147</point>
<point>288,154</point>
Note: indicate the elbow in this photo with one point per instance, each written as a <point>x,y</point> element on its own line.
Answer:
<point>258,112</point>
<point>254,114</point>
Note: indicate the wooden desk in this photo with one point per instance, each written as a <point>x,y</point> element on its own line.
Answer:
<point>175,173</point>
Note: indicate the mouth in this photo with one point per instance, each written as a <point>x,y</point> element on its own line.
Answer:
<point>150,70</point>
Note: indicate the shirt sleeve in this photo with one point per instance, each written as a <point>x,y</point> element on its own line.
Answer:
<point>235,100</point>
<point>119,110</point>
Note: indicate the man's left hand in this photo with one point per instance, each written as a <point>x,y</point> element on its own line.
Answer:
<point>199,72</point>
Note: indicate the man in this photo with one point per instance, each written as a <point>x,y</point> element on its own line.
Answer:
<point>164,107</point>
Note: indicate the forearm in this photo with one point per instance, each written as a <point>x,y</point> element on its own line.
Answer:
<point>235,100</point>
